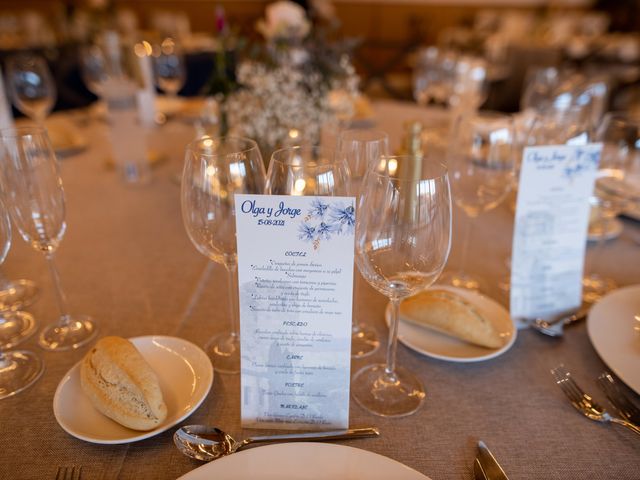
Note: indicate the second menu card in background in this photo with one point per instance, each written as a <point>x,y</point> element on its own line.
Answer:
<point>295,277</point>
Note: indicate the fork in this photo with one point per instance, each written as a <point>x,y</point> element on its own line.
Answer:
<point>624,404</point>
<point>584,403</point>
<point>69,473</point>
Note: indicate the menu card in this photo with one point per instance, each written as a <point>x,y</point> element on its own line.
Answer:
<point>552,217</point>
<point>295,279</point>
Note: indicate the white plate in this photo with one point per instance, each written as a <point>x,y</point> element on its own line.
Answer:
<point>185,375</point>
<point>304,461</point>
<point>612,329</point>
<point>443,347</point>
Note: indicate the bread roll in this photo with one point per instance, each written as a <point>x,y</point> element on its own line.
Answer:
<point>121,384</point>
<point>448,313</point>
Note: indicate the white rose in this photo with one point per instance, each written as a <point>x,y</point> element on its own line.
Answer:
<point>284,19</point>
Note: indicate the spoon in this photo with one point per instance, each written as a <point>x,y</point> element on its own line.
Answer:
<point>555,326</point>
<point>209,443</point>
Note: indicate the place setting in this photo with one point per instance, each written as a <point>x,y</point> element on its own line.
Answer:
<point>367,258</point>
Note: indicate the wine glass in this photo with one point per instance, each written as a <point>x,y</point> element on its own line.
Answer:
<point>18,369</point>
<point>481,161</point>
<point>539,86</point>
<point>16,294</point>
<point>35,198</point>
<point>433,76</point>
<point>403,238</point>
<point>31,86</point>
<point>470,84</point>
<point>93,68</point>
<point>361,149</point>
<point>617,185</point>
<point>215,170</point>
<point>169,69</point>
<point>15,325</point>
<point>307,170</point>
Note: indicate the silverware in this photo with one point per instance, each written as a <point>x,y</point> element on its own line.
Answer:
<point>485,466</point>
<point>584,403</point>
<point>209,443</point>
<point>69,473</point>
<point>555,326</point>
<point>623,403</point>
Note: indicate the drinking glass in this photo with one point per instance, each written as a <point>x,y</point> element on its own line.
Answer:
<point>16,294</point>
<point>403,238</point>
<point>470,84</point>
<point>307,170</point>
<point>215,170</point>
<point>169,68</point>
<point>539,87</point>
<point>361,149</point>
<point>18,369</point>
<point>31,86</point>
<point>481,161</point>
<point>433,76</point>
<point>35,198</point>
<point>617,186</point>
<point>93,69</point>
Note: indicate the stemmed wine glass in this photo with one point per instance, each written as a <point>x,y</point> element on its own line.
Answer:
<point>433,76</point>
<point>361,149</point>
<point>617,185</point>
<point>307,170</point>
<point>403,238</point>
<point>31,86</point>
<point>18,369</point>
<point>16,294</point>
<point>481,161</point>
<point>470,84</point>
<point>93,68</point>
<point>169,68</point>
<point>35,198</point>
<point>215,170</point>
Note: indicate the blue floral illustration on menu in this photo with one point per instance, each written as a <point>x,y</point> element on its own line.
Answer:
<point>583,160</point>
<point>325,219</point>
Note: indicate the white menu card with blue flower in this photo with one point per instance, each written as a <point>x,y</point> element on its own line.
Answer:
<point>552,218</point>
<point>295,281</point>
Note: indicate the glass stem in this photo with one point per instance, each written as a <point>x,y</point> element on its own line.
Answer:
<point>232,277</point>
<point>65,318</point>
<point>5,283</point>
<point>392,346</point>
<point>600,241</point>
<point>465,243</point>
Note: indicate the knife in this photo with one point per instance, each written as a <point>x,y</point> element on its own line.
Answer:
<point>487,465</point>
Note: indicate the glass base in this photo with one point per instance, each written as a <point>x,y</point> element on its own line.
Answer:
<point>364,340</point>
<point>460,280</point>
<point>385,395</point>
<point>18,294</point>
<point>76,331</point>
<point>224,352</point>
<point>15,327</point>
<point>18,371</point>
<point>595,286</point>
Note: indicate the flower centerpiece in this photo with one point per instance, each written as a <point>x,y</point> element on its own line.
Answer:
<point>297,84</point>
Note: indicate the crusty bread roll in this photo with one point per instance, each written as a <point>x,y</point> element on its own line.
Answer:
<point>448,313</point>
<point>121,384</point>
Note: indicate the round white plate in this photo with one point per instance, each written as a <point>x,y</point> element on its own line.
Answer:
<point>185,375</point>
<point>443,347</point>
<point>612,326</point>
<point>304,461</point>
